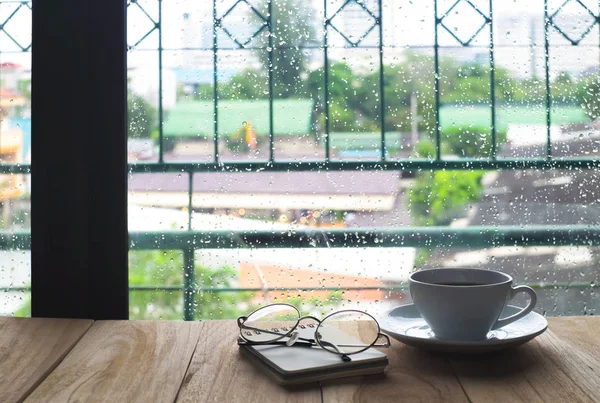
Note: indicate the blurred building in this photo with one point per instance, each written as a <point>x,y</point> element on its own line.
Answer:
<point>521,40</point>
<point>539,198</point>
<point>270,195</point>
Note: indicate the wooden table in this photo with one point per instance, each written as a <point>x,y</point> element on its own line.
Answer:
<point>63,360</point>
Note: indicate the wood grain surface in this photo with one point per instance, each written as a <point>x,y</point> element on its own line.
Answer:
<point>561,365</point>
<point>218,373</point>
<point>123,361</point>
<point>411,376</point>
<point>30,349</point>
<point>129,361</point>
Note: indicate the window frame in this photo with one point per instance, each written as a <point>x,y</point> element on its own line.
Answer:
<point>79,160</point>
<point>79,208</point>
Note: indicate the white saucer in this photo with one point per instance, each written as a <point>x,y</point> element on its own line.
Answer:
<point>405,324</point>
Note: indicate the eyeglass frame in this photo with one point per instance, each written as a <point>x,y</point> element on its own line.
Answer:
<point>242,319</point>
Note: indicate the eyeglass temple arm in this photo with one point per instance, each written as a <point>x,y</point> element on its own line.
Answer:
<point>241,325</point>
<point>387,342</point>
<point>279,343</point>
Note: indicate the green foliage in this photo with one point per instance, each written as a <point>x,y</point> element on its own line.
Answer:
<point>422,256</point>
<point>350,108</point>
<point>219,305</point>
<point>425,149</point>
<point>292,28</point>
<point>562,88</point>
<point>203,92</point>
<point>246,84</point>
<point>354,95</point>
<point>141,117</point>
<point>436,196</point>
<point>25,310</point>
<point>587,94</point>
<point>470,142</point>
<point>165,268</point>
<point>24,88</point>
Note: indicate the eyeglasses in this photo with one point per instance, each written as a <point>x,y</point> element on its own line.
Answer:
<point>343,332</point>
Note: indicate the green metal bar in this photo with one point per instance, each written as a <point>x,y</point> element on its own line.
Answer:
<point>348,40</point>
<point>339,10</point>
<point>326,79</point>
<point>494,140</point>
<point>547,68</point>
<point>436,81</point>
<point>395,165</point>
<point>270,72</point>
<point>583,34</point>
<point>215,86</point>
<point>160,86</point>
<point>391,46</point>
<point>190,199</point>
<point>7,20</point>
<point>416,237</point>
<point>15,240</point>
<point>143,10</point>
<point>131,47</point>
<point>189,284</point>
<point>15,169</point>
<point>381,84</point>
<point>242,45</point>
<point>467,42</point>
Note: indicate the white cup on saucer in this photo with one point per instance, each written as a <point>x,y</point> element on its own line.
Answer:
<point>465,304</point>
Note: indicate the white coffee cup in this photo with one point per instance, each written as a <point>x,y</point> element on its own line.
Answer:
<point>465,304</point>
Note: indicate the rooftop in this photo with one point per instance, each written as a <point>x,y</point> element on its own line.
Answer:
<point>196,118</point>
<point>324,183</point>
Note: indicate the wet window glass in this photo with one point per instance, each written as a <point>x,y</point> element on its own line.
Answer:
<point>318,152</point>
<point>15,157</point>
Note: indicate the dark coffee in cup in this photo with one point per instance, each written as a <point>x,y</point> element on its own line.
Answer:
<point>461,284</point>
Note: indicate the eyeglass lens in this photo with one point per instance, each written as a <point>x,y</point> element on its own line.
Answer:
<point>347,332</point>
<point>270,323</point>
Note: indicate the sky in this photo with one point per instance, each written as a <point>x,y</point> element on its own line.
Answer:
<point>405,22</point>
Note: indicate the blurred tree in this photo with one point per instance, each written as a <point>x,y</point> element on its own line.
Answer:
<point>563,88</point>
<point>425,149</point>
<point>164,268</point>
<point>246,84</point>
<point>292,28</point>
<point>470,141</point>
<point>204,92</point>
<point>437,196</point>
<point>348,107</point>
<point>588,95</point>
<point>355,103</point>
<point>141,117</point>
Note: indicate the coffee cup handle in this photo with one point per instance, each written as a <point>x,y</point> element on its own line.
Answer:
<point>514,291</point>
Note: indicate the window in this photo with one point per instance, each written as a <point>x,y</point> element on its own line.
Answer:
<point>319,151</point>
<point>15,157</point>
